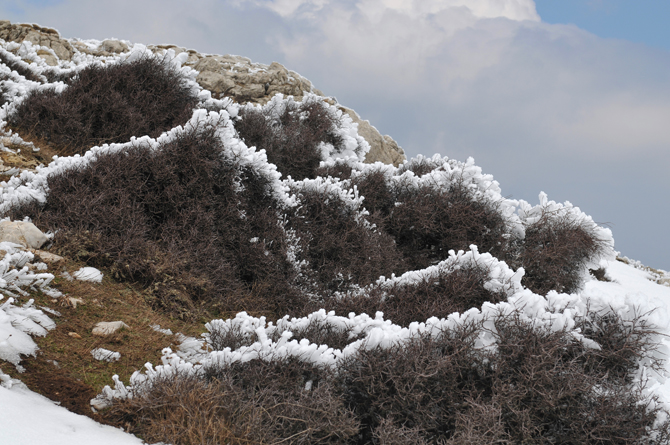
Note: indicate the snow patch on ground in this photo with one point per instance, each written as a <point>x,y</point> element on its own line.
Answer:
<point>88,274</point>
<point>103,354</point>
<point>29,418</point>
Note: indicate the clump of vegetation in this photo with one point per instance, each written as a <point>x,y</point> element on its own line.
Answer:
<point>427,221</point>
<point>556,251</point>
<point>453,288</point>
<point>253,402</point>
<point>14,63</point>
<point>537,385</point>
<point>341,246</point>
<point>181,219</point>
<point>105,104</point>
<point>292,136</point>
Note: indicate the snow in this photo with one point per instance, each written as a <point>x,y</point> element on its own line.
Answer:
<point>88,274</point>
<point>103,354</point>
<point>28,419</point>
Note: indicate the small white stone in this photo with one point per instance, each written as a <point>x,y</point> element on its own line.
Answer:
<point>105,328</point>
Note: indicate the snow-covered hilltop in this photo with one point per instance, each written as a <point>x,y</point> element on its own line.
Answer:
<point>351,301</point>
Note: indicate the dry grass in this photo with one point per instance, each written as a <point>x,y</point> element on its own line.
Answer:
<point>77,377</point>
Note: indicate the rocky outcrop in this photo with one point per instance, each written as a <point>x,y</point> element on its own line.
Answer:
<point>38,35</point>
<point>382,148</point>
<point>105,328</point>
<point>244,81</point>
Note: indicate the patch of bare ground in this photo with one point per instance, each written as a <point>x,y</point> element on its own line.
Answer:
<point>64,369</point>
<point>23,157</point>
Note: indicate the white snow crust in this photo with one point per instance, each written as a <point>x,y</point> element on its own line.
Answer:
<point>88,274</point>
<point>29,419</point>
<point>106,355</point>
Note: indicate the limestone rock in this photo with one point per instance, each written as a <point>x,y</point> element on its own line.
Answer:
<point>382,148</point>
<point>37,35</point>
<point>105,328</point>
<point>50,258</point>
<point>114,46</point>
<point>215,82</point>
<point>49,58</point>
<point>21,232</point>
<point>244,81</point>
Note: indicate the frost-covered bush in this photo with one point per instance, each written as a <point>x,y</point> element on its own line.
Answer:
<point>297,136</point>
<point>19,66</point>
<point>194,215</point>
<point>448,205</point>
<point>463,281</point>
<point>19,322</point>
<point>104,103</point>
<point>338,244</point>
<point>560,245</point>
<point>514,372</point>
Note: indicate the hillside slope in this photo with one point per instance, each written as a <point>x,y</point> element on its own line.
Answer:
<point>319,297</point>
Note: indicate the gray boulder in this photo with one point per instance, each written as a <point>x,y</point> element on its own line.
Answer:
<point>382,148</point>
<point>37,35</point>
<point>23,233</point>
<point>114,46</point>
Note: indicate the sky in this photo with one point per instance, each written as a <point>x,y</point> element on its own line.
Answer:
<point>569,97</point>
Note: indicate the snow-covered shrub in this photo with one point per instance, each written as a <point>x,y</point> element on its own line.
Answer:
<point>427,222</point>
<point>19,322</point>
<point>547,392</point>
<point>464,280</point>
<point>448,205</point>
<point>297,136</point>
<point>515,372</point>
<point>338,168</point>
<point>560,245</point>
<point>104,103</point>
<point>193,215</point>
<point>421,165</point>
<point>16,64</point>
<point>340,246</point>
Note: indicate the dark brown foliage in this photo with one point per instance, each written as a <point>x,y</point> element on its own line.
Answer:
<point>171,218</point>
<point>419,166</point>
<point>105,104</point>
<point>341,170</point>
<point>291,141</point>
<point>623,343</point>
<point>380,198</point>
<point>186,410</point>
<point>536,386</point>
<point>547,395</point>
<point>555,252</point>
<point>341,250</point>
<point>419,385</point>
<point>294,401</point>
<point>454,289</point>
<point>428,223</point>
